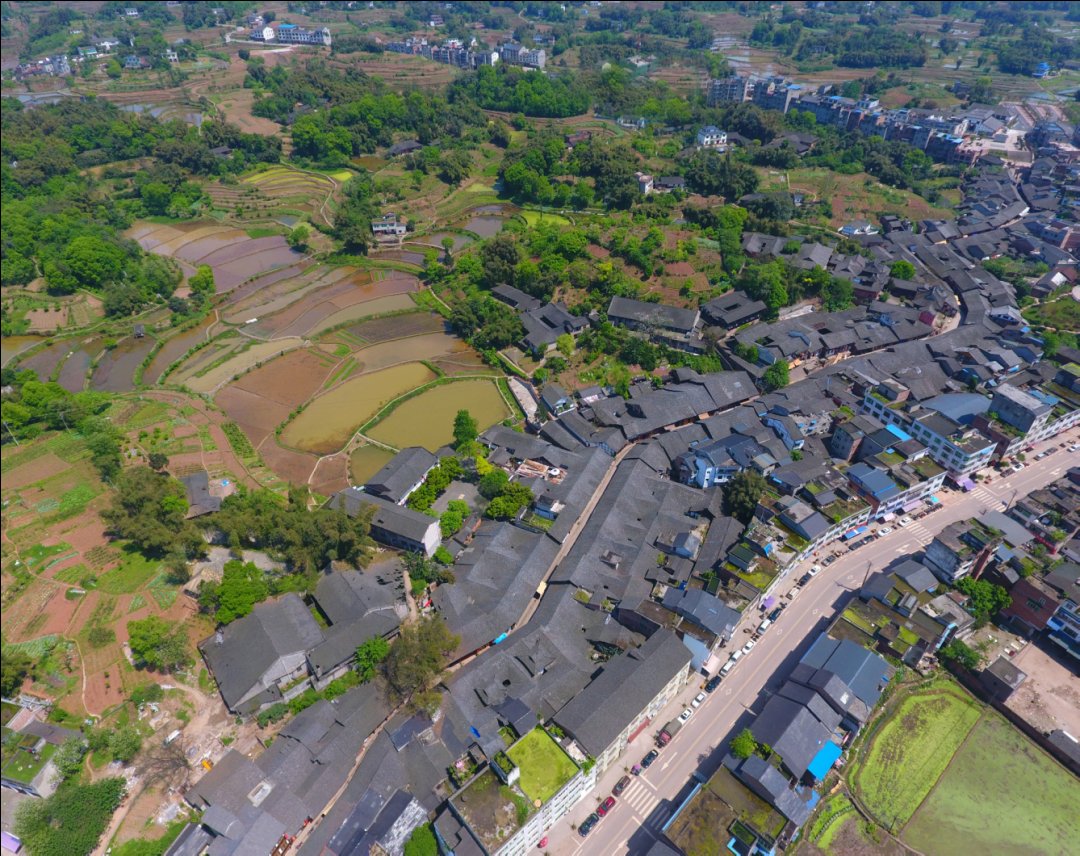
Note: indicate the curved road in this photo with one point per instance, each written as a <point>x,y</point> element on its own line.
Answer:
<point>651,799</point>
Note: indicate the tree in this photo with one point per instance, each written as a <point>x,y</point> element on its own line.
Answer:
<point>202,281</point>
<point>369,656</point>
<point>743,744</point>
<point>155,644</point>
<point>491,485</point>
<point>565,344</point>
<point>837,294</point>
<point>466,429</point>
<point>70,822</point>
<point>960,654</point>
<point>987,599</point>
<point>69,758</point>
<point>15,666</point>
<point>125,743</point>
<point>148,508</point>
<point>902,269</point>
<point>242,586</point>
<point>417,658</point>
<point>448,249</point>
<point>298,237</point>
<point>742,493</point>
<point>158,461</point>
<point>776,376</point>
<point>422,842</point>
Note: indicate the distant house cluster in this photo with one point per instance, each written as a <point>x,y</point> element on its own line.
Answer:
<point>474,55</point>
<point>946,136</point>
<point>291,34</point>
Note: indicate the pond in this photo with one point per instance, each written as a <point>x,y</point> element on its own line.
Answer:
<point>366,460</point>
<point>174,349</point>
<point>115,371</point>
<point>428,419</point>
<point>12,346</point>
<point>437,239</point>
<point>330,420</point>
<point>402,256</point>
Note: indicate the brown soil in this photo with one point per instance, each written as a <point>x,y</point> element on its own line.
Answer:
<point>289,380</point>
<point>40,468</point>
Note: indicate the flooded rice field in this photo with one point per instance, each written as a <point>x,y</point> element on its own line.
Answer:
<point>174,349</point>
<point>115,371</point>
<point>330,420</point>
<point>12,346</point>
<point>428,419</point>
<point>366,460</point>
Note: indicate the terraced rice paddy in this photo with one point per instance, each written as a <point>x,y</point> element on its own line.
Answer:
<point>428,419</point>
<point>73,371</point>
<point>45,361</point>
<point>175,348</point>
<point>12,346</point>
<point>275,192</point>
<point>331,419</point>
<point>231,253</point>
<point>115,371</point>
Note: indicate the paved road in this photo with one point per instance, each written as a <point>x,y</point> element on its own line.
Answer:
<point>652,798</point>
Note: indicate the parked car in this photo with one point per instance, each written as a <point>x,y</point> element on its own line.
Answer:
<point>621,785</point>
<point>713,683</point>
<point>829,561</point>
<point>686,714</point>
<point>587,824</point>
<point>804,579</point>
<point>903,521</point>
<point>765,625</point>
<point>698,699</point>
<point>775,614</point>
<point>748,647</point>
<point>606,806</point>
<point>814,570</point>
<point>647,761</point>
<point>885,530</point>
<point>794,593</point>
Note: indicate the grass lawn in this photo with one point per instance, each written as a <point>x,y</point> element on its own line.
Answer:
<point>533,217</point>
<point>545,767</point>
<point>134,572</point>
<point>909,750</point>
<point>1062,313</point>
<point>20,765</point>
<point>1001,794</point>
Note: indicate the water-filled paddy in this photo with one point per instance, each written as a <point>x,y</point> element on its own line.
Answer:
<point>115,371</point>
<point>329,421</point>
<point>365,461</point>
<point>428,419</point>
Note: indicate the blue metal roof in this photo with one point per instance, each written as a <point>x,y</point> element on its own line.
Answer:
<point>897,432</point>
<point>824,760</point>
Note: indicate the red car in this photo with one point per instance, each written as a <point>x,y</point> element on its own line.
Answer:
<point>606,806</point>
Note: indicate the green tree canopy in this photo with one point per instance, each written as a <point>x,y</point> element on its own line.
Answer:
<point>742,493</point>
<point>158,645</point>
<point>776,376</point>
<point>987,599</point>
<point>743,744</point>
<point>369,656</point>
<point>902,269</point>
<point>466,429</point>
<point>148,509</point>
<point>70,822</point>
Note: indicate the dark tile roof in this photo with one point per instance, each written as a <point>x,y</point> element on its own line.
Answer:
<point>863,671</point>
<point>652,314</point>
<point>599,713</point>
<point>397,477</point>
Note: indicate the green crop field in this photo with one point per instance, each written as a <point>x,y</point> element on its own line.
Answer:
<point>545,767</point>
<point>134,572</point>
<point>906,755</point>
<point>1001,794</point>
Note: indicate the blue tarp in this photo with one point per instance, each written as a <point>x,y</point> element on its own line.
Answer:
<point>934,500</point>
<point>824,760</point>
<point>858,530</point>
<point>896,432</point>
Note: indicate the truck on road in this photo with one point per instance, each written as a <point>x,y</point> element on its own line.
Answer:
<point>667,732</point>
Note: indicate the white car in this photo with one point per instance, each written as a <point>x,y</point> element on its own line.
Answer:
<point>903,521</point>
<point>686,714</point>
<point>1017,467</point>
<point>698,699</point>
<point>885,530</point>
<point>814,570</point>
<point>748,647</point>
